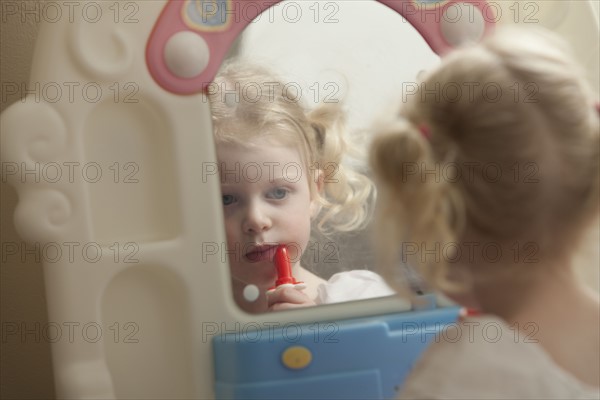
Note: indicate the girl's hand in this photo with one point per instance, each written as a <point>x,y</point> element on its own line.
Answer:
<point>287,299</point>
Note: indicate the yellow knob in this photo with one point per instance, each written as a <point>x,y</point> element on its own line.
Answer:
<point>296,357</point>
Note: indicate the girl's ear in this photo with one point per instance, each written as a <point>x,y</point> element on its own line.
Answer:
<point>319,178</point>
<point>315,208</point>
<point>315,204</point>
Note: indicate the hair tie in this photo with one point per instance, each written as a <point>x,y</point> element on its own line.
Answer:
<point>424,129</point>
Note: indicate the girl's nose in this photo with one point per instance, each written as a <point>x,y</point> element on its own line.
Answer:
<point>256,219</point>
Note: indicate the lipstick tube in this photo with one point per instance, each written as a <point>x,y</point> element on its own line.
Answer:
<point>282,263</point>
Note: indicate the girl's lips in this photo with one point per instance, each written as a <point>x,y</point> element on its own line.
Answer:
<point>261,253</point>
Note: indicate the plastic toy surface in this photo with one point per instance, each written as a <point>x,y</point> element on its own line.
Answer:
<point>191,38</point>
<point>131,189</point>
<point>365,358</point>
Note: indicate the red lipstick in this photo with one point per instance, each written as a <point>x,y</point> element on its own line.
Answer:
<point>284,270</point>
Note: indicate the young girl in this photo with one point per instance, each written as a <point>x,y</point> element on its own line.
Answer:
<point>281,173</point>
<point>488,180</point>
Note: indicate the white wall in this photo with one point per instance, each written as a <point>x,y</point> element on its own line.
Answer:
<point>364,48</point>
<point>368,51</point>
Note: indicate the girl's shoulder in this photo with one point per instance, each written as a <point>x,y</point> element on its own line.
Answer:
<point>483,357</point>
<point>352,285</point>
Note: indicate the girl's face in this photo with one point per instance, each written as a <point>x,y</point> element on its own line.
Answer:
<point>266,202</point>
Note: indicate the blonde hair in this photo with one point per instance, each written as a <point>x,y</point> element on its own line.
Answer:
<point>249,101</point>
<point>526,115</point>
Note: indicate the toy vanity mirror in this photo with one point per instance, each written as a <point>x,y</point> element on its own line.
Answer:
<point>302,59</point>
<point>113,156</point>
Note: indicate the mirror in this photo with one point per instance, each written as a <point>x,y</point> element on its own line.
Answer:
<point>324,54</point>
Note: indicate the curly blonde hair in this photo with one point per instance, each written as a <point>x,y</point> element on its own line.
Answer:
<point>249,101</point>
<point>499,144</point>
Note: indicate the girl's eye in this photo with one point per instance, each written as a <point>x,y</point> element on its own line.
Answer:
<point>278,193</point>
<point>228,199</point>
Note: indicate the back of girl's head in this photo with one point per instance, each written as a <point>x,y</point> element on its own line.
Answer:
<point>498,147</point>
<point>249,101</point>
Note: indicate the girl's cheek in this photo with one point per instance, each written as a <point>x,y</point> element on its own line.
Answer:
<point>230,230</point>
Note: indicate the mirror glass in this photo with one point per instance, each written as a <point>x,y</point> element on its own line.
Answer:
<point>358,55</point>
